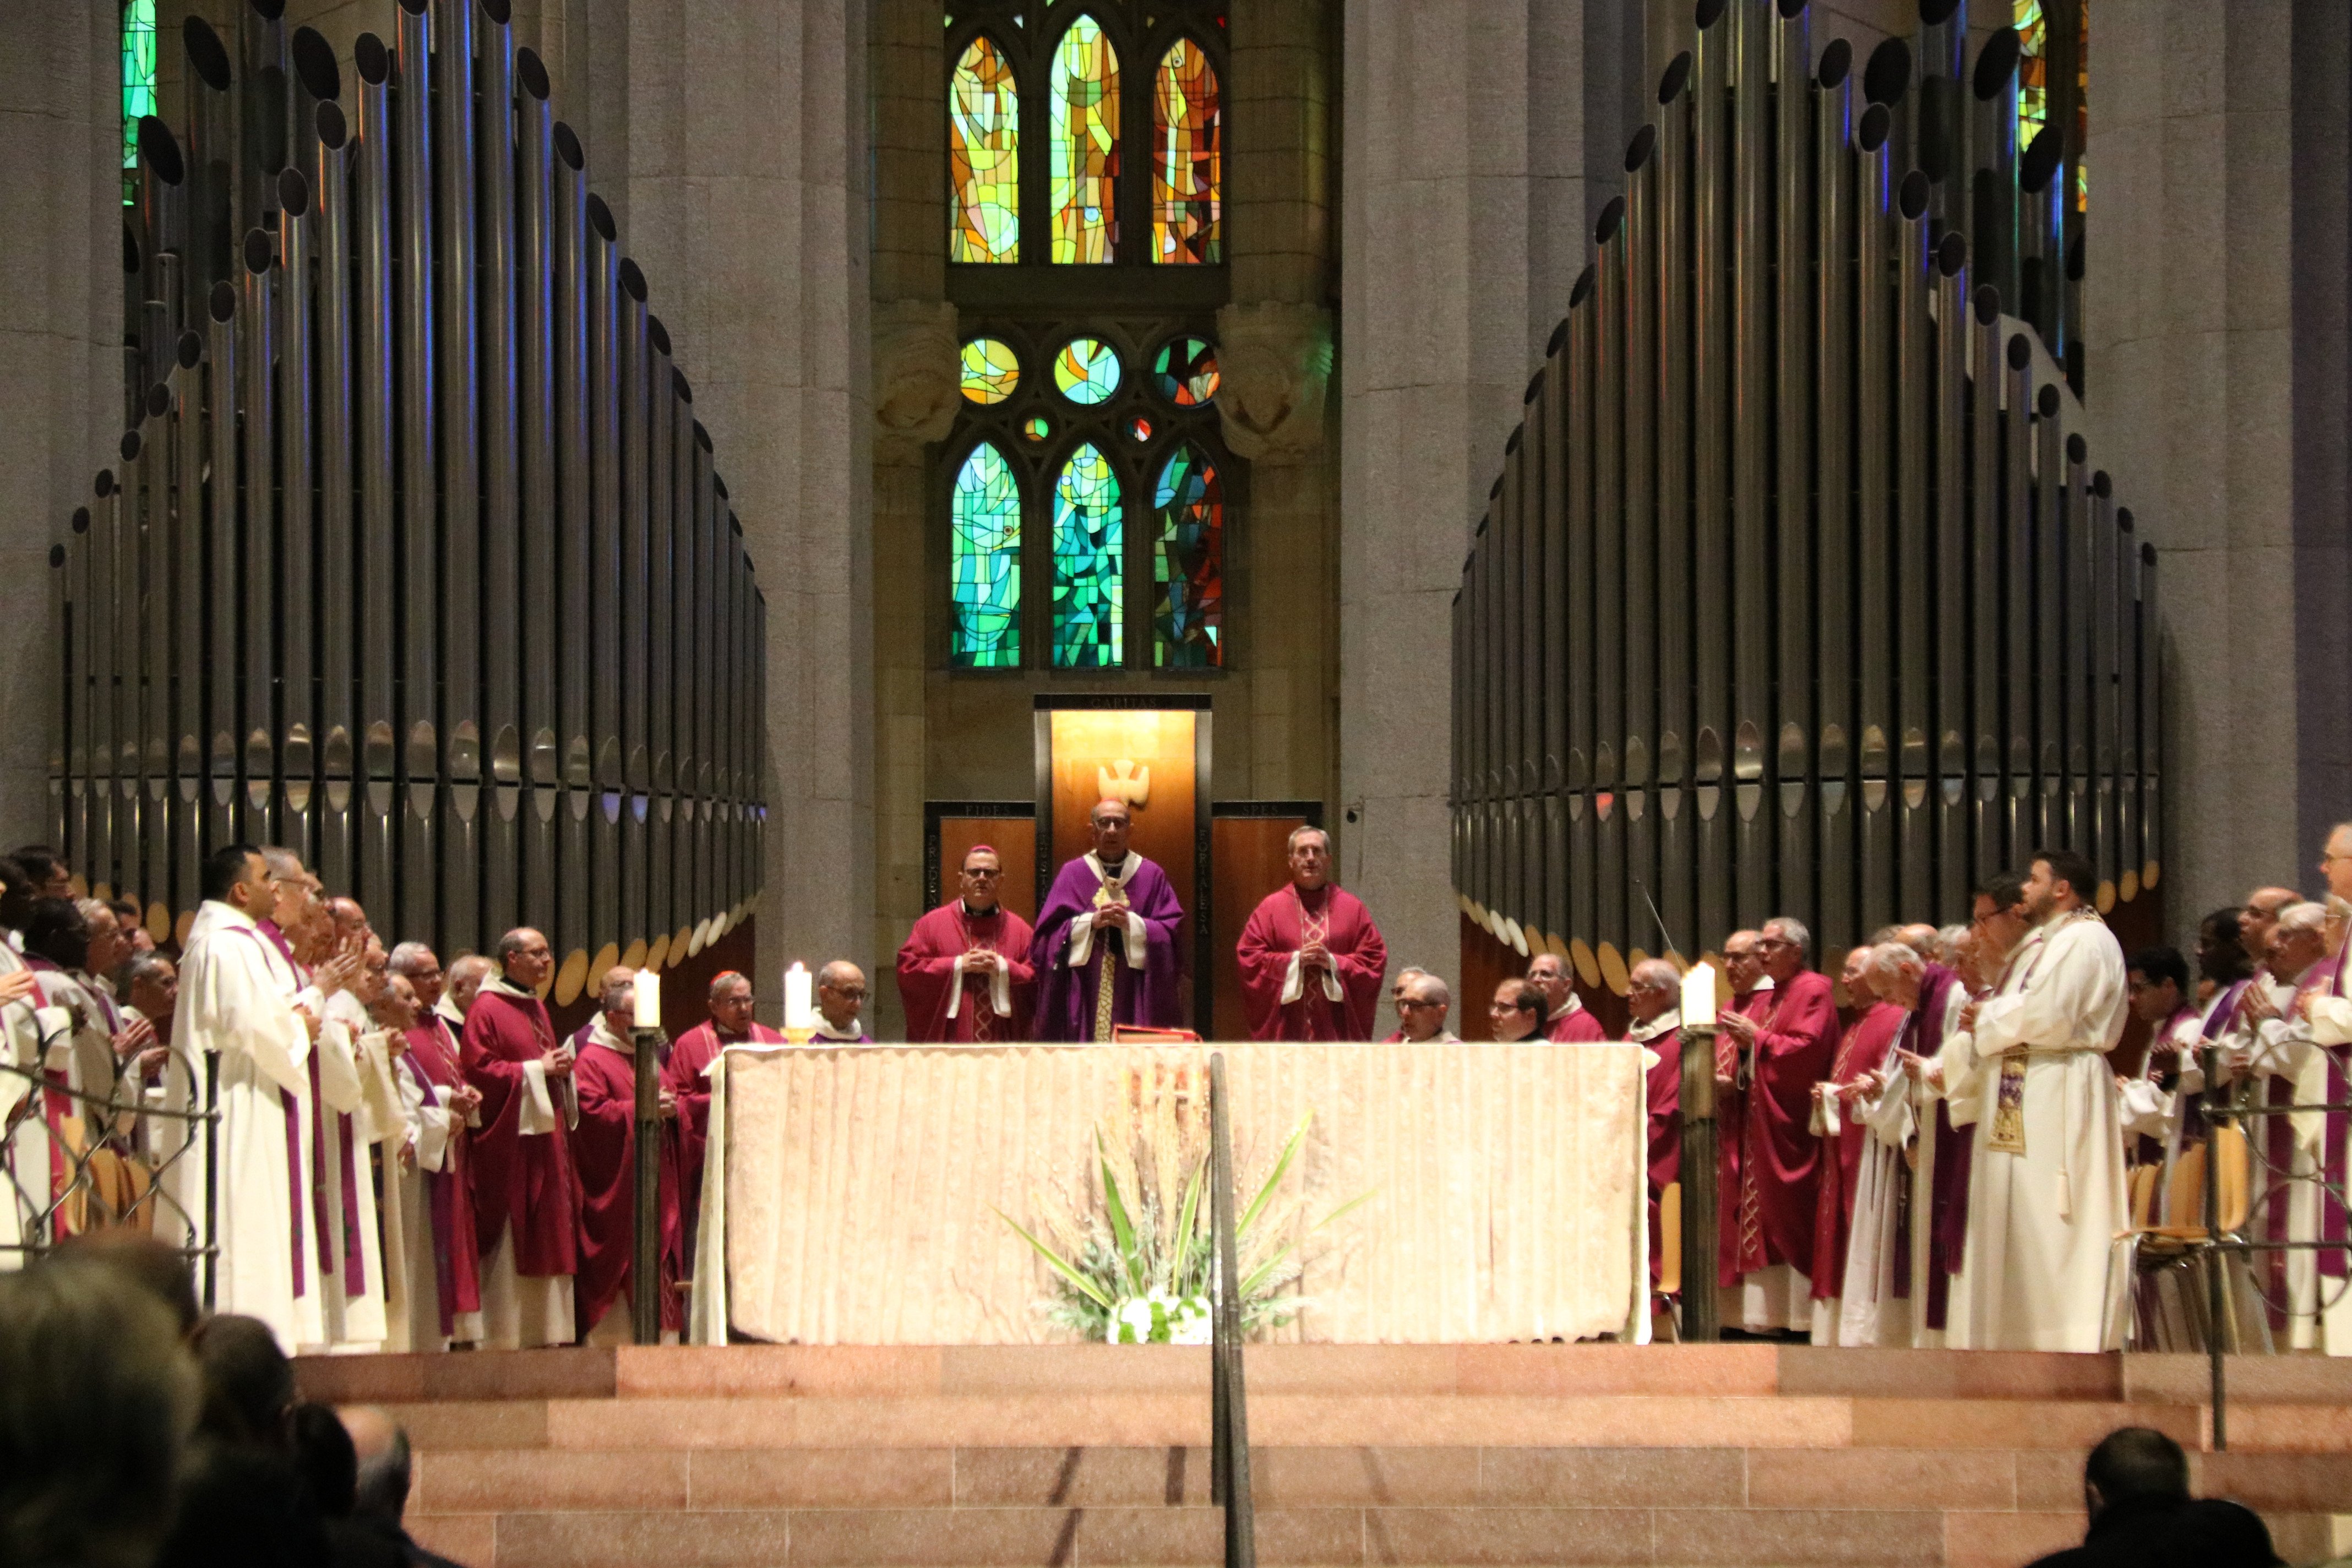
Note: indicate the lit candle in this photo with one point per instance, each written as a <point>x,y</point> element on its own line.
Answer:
<point>800,998</point>
<point>1698,996</point>
<point>649,992</point>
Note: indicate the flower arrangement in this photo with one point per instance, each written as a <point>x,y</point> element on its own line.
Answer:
<point>1138,1269</point>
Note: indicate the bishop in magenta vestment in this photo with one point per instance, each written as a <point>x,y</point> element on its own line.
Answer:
<point>1090,980</point>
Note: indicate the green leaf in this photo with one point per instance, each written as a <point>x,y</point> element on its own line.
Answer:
<point>1358,1201</point>
<point>1185,1217</point>
<point>1258,1275</point>
<point>1069,1271</point>
<point>1122,1229</point>
<point>1274,1178</point>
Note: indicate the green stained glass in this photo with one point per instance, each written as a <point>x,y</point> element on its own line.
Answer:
<point>137,83</point>
<point>991,370</point>
<point>1185,371</point>
<point>1187,195</point>
<point>984,156</point>
<point>1089,564</point>
<point>2032,71</point>
<point>1188,564</point>
<point>984,566</point>
<point>1037,427</point>
<point>1083,97</point>
<point>1086,370</point>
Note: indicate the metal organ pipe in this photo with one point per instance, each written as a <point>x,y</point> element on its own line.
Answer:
<point>1795,578</point>
<point>375,717</point>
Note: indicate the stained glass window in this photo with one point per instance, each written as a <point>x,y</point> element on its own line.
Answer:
<point>1187,193</point>
<point>1188,564</point>
<point>1185,371</point>
<point>1089,564</point>
<point>1139,429</point>
<point>2083,108</point>
<point>984,156</point>
<point>1086,370</point>
<point>2032,71</point>
<point>1037,427</point>
<point>984,567</point>
<point>1082,95</point>
<point>138,84</point>
<point>992,371</point>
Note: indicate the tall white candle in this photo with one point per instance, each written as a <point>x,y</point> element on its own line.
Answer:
<point>800,998</point>
<point>648,996</point>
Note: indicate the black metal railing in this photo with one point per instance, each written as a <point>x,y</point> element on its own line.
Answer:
<point>1229,1468</point>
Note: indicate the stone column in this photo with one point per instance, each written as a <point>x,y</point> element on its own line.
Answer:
<point>747,207</point>
<point>2192,318</point>
<point>1476,154</point>
<point>60,357</point>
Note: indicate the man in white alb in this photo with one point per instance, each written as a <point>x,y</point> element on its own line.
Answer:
<point>2046,1193</point>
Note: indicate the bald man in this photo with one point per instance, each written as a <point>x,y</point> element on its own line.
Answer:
<point>1423,1003</point>
<point>604,1148</point>
<point>1105,953</point>
<point>526,1191</point>
<point>841,1004</point>
<point>464,983</point>
<point>687,1076</point>
<point>964,973</point>
<point>1653,1006</point>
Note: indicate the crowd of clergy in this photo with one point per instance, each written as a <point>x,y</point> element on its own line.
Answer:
<point>1935,1151</point>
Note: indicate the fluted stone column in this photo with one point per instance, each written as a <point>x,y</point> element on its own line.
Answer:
<point>1478,147</point>
<point>60,359</point>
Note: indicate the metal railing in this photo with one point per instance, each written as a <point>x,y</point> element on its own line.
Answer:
<point>1229,1467</point>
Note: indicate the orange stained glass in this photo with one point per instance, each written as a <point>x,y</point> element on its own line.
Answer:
<point>1082,96</point>
<point>984,156</point>
<point>1187,187</point>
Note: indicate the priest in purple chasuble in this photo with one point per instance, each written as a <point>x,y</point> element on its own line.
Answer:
<point>1311,958</point>
<point>964,973</point>
<point>1105,953</point>
<point>526,1191</point>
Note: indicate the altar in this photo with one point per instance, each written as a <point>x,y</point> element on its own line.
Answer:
<point>1460,1194</point>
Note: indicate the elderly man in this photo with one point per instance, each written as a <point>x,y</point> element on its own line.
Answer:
<point>437,1295</point>
<point>239,1004</point>
<point>152,981</point>
<point>1856,1073</point>
<point>466,977</point>
<point>1571,1020</point>
<point>60,938</point>
<point>840,1004</point>
<point>604,1150</point>
<point>686,1077</point>
<point>1785,1039</point>
<point>1104,952</point>
<point>1311,959</point>
<point>2156,986</point>
<point>2259,917</point>
<point>1653,1003</point>
<point>1423,1004</point>
<point>1872,1285</point>
<point>964,973</point>
<point>2046,1182</point>
<point>1517,1013</point>
<point>526,1190</point>
<point>2272,1043</point>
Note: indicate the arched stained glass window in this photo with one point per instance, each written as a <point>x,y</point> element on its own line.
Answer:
<point>1082,95</point>
<point>1188,565</point>
<point>1089,564</point>
<point>984,156</point>
<point>2032,71</point>
<point>1187,193</point>
<point>138,84</point>
<point>984,566</point>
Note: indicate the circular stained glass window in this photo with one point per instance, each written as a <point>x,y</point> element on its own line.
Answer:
<point>1185,371</point>
<point>1140,429</point>
<point>1037,427</point>
<point>1086,370</point>
<point>991,370</point>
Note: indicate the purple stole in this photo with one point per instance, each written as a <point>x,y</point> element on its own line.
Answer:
<point>450,1205</point>
<point>2333,1258</point>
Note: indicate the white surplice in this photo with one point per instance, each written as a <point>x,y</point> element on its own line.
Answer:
<point>2331,1029</point>
<point>236,1017</point>
<point>1869,1311</point>
<point>2044,1271</point>
<point>2288,1065</point>
<point>412,1267</point>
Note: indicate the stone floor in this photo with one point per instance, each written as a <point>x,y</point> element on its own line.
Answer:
<point>842,1457</point>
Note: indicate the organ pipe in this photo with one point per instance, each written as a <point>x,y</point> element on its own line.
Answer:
<point>356,581</point>
<point>1797,593</point>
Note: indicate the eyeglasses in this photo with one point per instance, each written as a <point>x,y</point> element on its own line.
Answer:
<point>1764,941</point>
<point>851,993</point>
<point>985,874</point>
<point>1418,1006</point>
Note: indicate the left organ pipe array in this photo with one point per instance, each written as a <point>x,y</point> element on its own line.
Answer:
<point>1794,597</point>
<point>415,558</point>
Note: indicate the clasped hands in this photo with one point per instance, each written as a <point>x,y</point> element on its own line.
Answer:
<point>981,961</point>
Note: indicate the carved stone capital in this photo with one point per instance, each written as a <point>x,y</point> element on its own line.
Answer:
<point>916,375</point>
<point>1273,362</point>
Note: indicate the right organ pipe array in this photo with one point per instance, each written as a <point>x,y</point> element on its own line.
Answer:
<point>416,559</point>
<point>1797,593</point>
